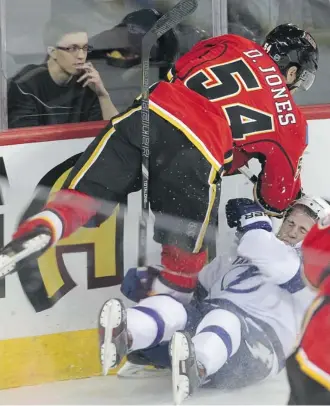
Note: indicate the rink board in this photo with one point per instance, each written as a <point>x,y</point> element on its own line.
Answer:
<point>50,334</point>
<point>40,344</point>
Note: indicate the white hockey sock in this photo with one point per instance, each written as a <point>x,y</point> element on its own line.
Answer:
<point>155,320</point>
<point>218,337</point>
<point>143,329</point>
<point>206,344</point>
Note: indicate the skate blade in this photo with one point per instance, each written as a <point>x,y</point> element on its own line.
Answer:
<point>134,371</point>
<point>180,352</point>
<point>110,318</point>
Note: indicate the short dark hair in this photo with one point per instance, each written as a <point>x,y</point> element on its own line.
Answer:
<point>55,29</point>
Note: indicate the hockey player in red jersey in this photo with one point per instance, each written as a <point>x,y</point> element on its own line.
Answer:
<point>227,101</point>
<point>240,79</point>
<point>309,367</point>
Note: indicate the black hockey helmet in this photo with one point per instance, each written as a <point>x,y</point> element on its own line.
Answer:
<point>288,45</point>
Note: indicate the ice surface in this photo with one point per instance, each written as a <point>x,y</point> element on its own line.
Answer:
<point>152,391</point>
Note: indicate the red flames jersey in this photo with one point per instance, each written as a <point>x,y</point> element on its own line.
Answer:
<point>313,354</point>
<point>316,253</point>
<point>236,76</point>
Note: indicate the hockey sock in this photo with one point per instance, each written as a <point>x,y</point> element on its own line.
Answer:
<point>182,267</point>
<point>155,320</point>
<point>218,333</point>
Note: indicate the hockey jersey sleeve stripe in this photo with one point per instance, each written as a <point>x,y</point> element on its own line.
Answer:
<point>229,156</point>
<point>193,138</point>
<point>212,196</point>
<point>54,222</point>
<point>295,284</point>
<point>98,150</point>
<point>312,370</point>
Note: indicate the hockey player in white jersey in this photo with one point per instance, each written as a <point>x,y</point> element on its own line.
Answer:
<point>247,325</point>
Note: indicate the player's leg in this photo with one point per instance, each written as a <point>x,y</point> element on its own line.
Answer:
<point>308,368</point>
<point>151,322</point>
<point>304,389</point>
<point>102,178</point>
<point>183,194</point>
<point>110,167</point>
<point>217,338</point>
<point>184,197</point>
<point>229,350</point>
<point>148,326</point>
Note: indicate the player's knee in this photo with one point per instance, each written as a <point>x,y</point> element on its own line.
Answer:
<point>172,313</point>
<point>225,323</point>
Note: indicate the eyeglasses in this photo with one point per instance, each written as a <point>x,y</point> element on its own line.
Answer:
<point>74,49</point>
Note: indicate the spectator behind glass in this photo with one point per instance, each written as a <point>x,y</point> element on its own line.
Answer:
<point>65,89</point>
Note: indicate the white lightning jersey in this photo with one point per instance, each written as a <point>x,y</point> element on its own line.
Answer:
<point>265,281</point>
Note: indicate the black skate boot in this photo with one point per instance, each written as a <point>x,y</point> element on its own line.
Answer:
<point>187,373</point>
<point>138,365</point>
<point>113,334</point>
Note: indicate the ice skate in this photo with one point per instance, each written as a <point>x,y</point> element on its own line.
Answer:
<point>113,334</point>
<point>139,366</point>
<point>186,374</point>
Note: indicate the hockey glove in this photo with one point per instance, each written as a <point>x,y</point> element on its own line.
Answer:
<point>246,215</point>
<point>137,282</point>
<point>176,277</point>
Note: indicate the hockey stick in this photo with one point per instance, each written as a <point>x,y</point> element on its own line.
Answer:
<point>167,22</point>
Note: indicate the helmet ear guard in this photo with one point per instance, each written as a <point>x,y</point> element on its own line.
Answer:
<point>304,81</point>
